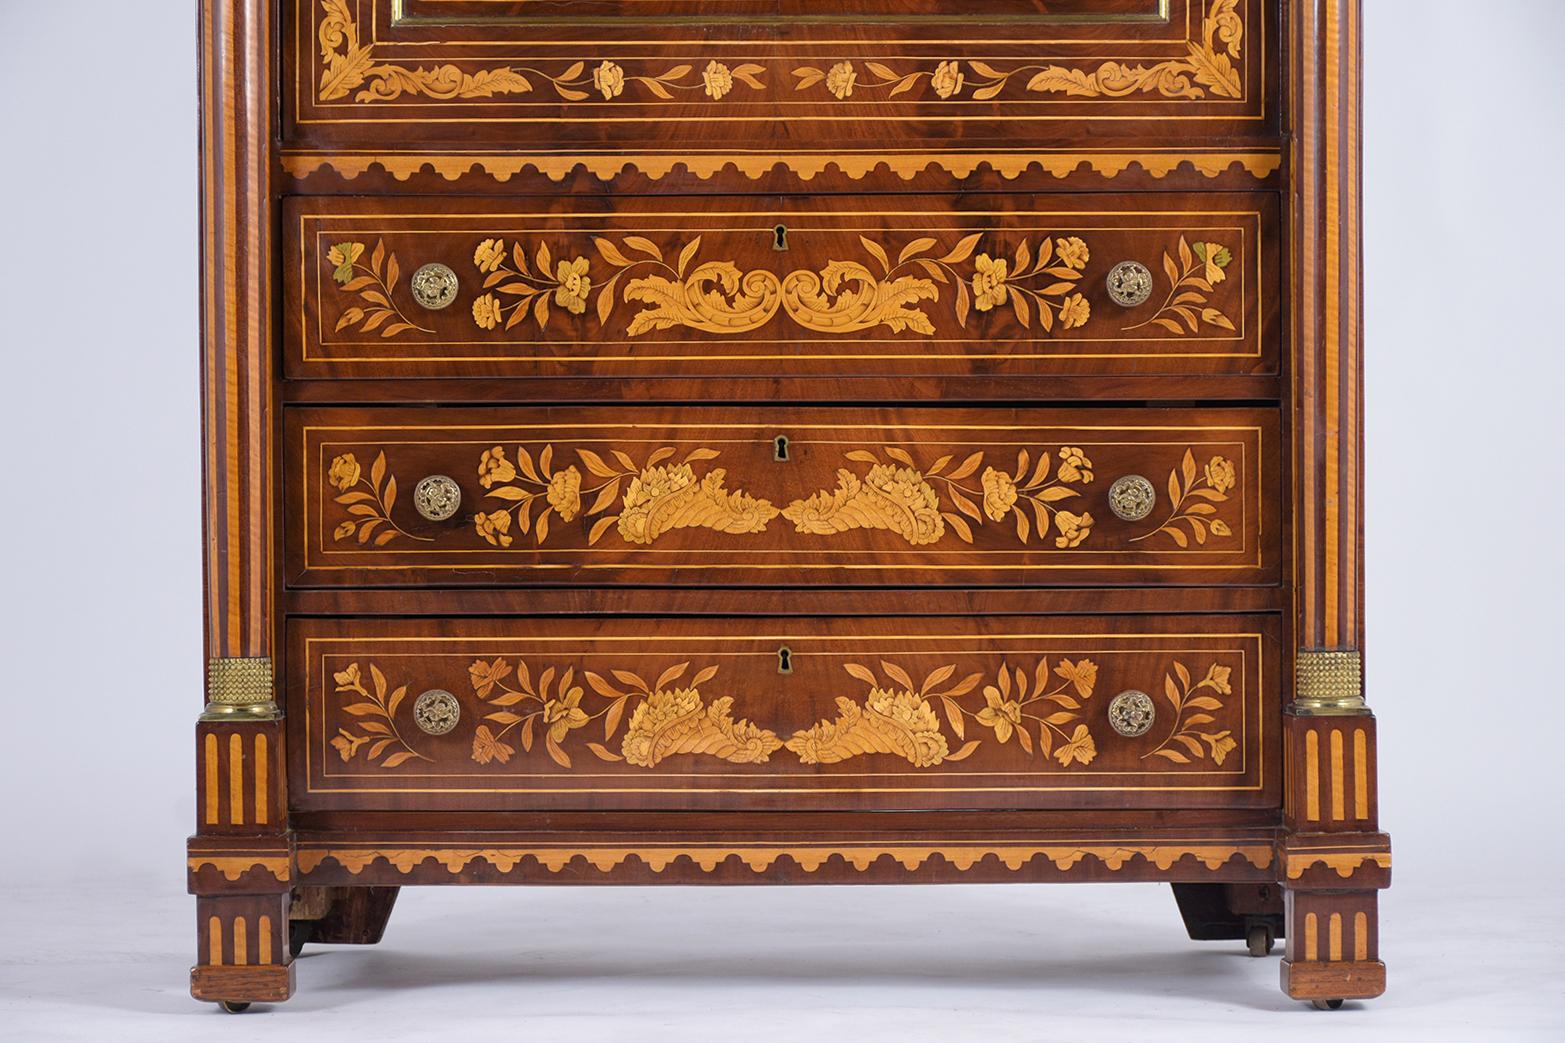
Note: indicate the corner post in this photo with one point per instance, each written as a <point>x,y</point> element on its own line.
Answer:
<point>240,862</point>
<point>1332,860</point>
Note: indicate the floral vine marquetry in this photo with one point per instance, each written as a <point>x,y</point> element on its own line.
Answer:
<point>842,297</point>
<point>964,855</point>
<point>376,719</point>
<point>1199,269</point>
<point>376,287</point>
<point>659,497</point>
<point>1194,702</point>
<point>368,511</point>
<point>666,721</point>
<point>899,718</point>
<point>1195,497</point>
<point>349,64</point>
<point>1208,67</point>
<point>898,496</point>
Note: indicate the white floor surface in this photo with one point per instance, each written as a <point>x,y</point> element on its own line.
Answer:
<point>818,964</point>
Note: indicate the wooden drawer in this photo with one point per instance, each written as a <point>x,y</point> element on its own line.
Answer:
<point>1009,712</point>
<point>770,496</point>
<point>778,286</point>
<point>608,74</point>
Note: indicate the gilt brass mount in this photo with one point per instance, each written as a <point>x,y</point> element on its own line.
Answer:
<point>1328,683</point>
<point>240,689</point>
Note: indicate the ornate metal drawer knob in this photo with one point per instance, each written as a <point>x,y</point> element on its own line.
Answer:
<point>1130,284</point>
<point>1131,498</point>
<point>437,498</point>
<point>435,286</point>
<point>1131,713</point>
<point>436,712</point>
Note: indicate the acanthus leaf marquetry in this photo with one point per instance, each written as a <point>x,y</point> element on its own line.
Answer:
<point>942,497</point>
<point>835,285</point>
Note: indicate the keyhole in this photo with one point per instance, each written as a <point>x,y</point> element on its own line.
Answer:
<point>781,454</point>
<point>780,237</point>
<point>784,661</point>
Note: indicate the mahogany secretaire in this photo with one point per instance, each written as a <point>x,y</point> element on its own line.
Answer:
<point>772,441</point>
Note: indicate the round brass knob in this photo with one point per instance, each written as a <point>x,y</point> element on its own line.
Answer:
<point>435,286</point>
<point>437,498</point>
<point>1131,713</point>
<point>1130,284</point>
<point>436,712</point>
<point>1131,498</point>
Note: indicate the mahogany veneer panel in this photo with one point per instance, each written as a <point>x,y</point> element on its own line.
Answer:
<point>862,286</point>
<point>785,713</point>
<point>699,496</point>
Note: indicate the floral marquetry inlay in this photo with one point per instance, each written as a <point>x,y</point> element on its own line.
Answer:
<point>1041,706</point>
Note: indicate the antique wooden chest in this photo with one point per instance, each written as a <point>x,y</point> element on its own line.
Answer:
<point>741,441</point>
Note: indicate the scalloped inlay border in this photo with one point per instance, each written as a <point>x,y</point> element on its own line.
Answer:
<point>806,166</point>
<point>760,858</point>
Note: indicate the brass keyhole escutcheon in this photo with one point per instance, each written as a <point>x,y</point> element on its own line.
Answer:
<point>784,660</point>
<point>780,449</point>
<point>780,238</point>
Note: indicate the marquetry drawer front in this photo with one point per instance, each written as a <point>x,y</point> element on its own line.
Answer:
<point>1148,284</point>
<point>785,713</point>
<point>863,73</point>
<point>781,496</point>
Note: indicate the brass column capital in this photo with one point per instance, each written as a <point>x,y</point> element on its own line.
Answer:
<point>240,689</point>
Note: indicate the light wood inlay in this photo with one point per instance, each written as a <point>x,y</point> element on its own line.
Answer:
<point>209,763</point>
<point>236,780</point>
<point>1311,937</point>
<point>1312,776</point>
<point>264,941</point>
<point>241,942</point>
<point>1338,784</point>
<point>1360,936</point>
<point>1334,936</point>
<point>261,809</point>
<point>214,933</point>
<point>1360,774</point>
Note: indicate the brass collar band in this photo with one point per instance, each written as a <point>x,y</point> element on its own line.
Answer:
<point>1328,684</point>
<point>240,689</point>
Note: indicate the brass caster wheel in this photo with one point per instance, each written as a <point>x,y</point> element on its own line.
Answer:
<point>1260,940</point>
<point>230,1007</point>
<point>1326,1004</point>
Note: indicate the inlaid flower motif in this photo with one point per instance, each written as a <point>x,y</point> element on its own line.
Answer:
<point>490,255</point>
<point>565,492</point>
<point>347,745</point>
<point>609,79</point>
<point>486,311</point>
<point>574,285</point>
<point>348,678</point>
<point>1216,257</point>
<point>1082,675</point>
<point>1073,528</point>
<point>495,528</point>
<point>342,257</point>
<point>841,78</point>
<point>1075,310</point>
<point>719,80</point>
<point>947,79</point>
<point>1072,252</point>
<point>916,718</point>
<point>651,718</point>
<point>999,493</point>
<point>989,287</point>
<point>1220,528</point>
<point>564,714</point>
<point>486,675</point>
<point>1080,748</point>
<point>917,517</point>
<point>1074,465</point>
<point>1002,714</point>
<point>1218,677</point>
<point>1220,474</point>
<point>646,490</point>
<point>344,530</point>
<point>345,472</point>
<point>1222,744</point>
<point>486,747</point>
<point>494,469</point>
